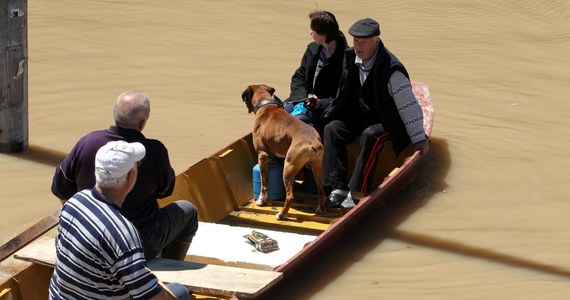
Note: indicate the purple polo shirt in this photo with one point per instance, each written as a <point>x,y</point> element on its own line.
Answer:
<point>155,176</point>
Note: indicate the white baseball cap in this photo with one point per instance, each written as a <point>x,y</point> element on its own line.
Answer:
<point>117,158</point>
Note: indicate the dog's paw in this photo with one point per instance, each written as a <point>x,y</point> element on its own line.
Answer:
<point>280,217</point>
<point>260,202</point>
<point>320,211</point>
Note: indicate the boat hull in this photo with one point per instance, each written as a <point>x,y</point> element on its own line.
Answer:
<point>220,186</point>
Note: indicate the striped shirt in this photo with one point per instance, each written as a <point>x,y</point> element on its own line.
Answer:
<point>99,253</point>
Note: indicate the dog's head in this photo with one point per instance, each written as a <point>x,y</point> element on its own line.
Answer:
<point>254,93</point>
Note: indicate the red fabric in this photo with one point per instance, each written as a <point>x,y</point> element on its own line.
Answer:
<point>378,145</point>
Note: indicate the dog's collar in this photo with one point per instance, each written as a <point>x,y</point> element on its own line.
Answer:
<point>277,102</point>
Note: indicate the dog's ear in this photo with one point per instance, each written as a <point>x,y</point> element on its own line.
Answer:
<point>270,89</point>
<point>246,96</point>
<point>247,93</point>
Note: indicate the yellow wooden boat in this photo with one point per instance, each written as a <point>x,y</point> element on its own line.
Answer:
<point>221,262</point>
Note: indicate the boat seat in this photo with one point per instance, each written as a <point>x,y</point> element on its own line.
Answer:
<point>205,279</point>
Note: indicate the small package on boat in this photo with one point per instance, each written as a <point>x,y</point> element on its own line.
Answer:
<point>262,242</point>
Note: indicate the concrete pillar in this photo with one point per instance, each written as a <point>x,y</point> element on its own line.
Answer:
<point>13,75</point>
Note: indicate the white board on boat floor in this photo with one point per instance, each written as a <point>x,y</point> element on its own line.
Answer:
<point>224,244</point>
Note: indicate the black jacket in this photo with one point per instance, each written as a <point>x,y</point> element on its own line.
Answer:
<point>375,91</point>
<point>327,82</point>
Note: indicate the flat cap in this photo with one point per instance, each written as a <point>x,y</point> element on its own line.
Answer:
<point>364,28</point>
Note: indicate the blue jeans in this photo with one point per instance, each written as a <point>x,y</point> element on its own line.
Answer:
<point>180,291</point>
<point>310,117</point>
<point>177,223</point>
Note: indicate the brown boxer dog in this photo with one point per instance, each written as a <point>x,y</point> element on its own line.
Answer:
<point>277,133</point>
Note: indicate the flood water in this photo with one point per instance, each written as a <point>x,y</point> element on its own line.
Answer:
<point>486,218</point>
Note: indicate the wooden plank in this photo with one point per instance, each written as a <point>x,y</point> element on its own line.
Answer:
<point>42,252</point>
<point>205,279</point>
<point>300,219</point>
<point>215,280</point>
<point>268,221</point>
<point>297,211</point>
<point>29,235</point>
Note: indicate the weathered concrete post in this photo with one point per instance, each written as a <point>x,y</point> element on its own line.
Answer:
<point>13,75</point>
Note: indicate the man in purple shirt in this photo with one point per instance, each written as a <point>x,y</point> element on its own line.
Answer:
<point>168,230</point>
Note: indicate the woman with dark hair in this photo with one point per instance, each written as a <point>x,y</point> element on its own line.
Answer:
<point>321,68</point>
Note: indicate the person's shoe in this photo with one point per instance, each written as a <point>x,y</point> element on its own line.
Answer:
<point>348,202</point>
<point>336,198</point>
<point>351,199</point>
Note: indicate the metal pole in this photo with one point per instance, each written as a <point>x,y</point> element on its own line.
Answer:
<point>13,75</point>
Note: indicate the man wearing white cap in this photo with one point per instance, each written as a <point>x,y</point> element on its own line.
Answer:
<point>99,251</point>
<point>375,102</point>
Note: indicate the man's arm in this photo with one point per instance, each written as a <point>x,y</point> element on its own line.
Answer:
<point>63,186</point>
<point>168,178</point>
<point>409,109</point>
<point>165,294</point>
<point>298,88</point>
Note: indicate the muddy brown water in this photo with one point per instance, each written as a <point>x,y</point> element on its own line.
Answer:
<point>486,218</point>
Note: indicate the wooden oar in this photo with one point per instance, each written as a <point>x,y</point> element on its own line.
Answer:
<point>29,235</point>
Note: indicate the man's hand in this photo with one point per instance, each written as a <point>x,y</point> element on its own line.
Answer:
<point>312,102</point>
<point>423,146</point>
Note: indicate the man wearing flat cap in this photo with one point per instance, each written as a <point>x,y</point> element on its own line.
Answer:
<point>375,102</point>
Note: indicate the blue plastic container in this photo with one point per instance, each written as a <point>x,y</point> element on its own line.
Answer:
<point>275,187</point>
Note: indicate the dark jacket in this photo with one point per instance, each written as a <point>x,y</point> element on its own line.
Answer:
<point>329,77</point>
<point>374,92</point>
<point>155,176</point>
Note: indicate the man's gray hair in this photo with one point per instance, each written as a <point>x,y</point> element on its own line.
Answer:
<point>110,183</point>
<point>130,108</point>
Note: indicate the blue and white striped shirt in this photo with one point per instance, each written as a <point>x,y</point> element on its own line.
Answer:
<point>99,253</point>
